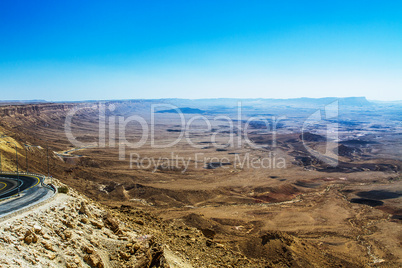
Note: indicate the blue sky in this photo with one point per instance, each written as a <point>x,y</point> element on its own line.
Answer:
<point>79,50</point>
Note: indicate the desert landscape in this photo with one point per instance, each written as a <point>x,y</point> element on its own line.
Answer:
<point>200,134</point>
<point>255,177</point>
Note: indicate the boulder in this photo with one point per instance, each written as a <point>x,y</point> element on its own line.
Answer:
<point>94,260</point>
<point>30,237</point>
<point>84,210</point>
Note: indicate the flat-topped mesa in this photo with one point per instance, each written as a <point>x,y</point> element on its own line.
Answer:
<point>46,108</point>
<point>355,101</point>
<point>30,109</point>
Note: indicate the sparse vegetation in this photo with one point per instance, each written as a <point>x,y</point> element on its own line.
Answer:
<point>306,208</point>
<point>63,189</point>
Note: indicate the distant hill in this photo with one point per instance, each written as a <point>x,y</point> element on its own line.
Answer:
<point>195,106</point>
<point>222,103</point>
<point>355,101</point>
<point>185,110</point>
<point>19,102</point>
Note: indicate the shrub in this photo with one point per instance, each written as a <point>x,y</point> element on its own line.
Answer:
<point>63,189</point>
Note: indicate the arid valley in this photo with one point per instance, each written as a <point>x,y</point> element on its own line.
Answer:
<point>255,177</point>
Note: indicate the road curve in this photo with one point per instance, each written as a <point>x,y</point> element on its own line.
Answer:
<point>7,185</point>
<point>25,182</point>
<point>30,188</point>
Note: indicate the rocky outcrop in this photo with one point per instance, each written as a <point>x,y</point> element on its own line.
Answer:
<point>36,110</point>
<point>73,231</point>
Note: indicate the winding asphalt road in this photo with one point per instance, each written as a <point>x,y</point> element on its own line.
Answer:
<point>7,185</point>
<point>30,188</point>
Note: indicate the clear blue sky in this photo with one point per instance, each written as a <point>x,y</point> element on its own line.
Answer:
<point>77,50</point>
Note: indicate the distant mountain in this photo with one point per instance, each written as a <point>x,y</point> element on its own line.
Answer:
<point>355,101</point>
<point>185,110</point>
<point>387,102</point>
<point>263,103</point>
<point>223,103</point>
<point>19,102</point>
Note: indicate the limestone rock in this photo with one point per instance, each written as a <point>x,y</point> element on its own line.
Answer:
<point>84,220</point>
<point>112,224</point>
<point>48,246</point>
<point>67,234</point>
<point>84,210</point>
<point>88,249</point>
<point>124,255</point>
<point>51,256</point>
<point>30,237</point>
<point>94,260</point>
<point>97,224</point>
<point>37,229</point>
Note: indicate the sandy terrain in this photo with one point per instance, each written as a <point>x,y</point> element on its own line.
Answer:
<point>298,209</point>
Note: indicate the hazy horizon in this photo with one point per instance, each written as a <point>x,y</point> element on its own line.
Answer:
<point>195,99</point>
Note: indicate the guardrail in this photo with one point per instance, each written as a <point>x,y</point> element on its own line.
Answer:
<point>41,176</point>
